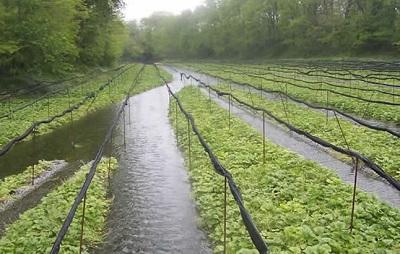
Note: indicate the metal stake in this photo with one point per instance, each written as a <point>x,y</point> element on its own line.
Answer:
<point>264,137</point>
<point>48,106</point>
<point>109,159</point>
<point>129,111</point>
<point>393,93</point>
<point>33,157</point>
<point>225,213</point>
<point>71,120</point>
<point>354,195</point>
<point>124,130</point>
<point>33,115</point>
<point>209,98</point>
<point>69,98</point>
<point>10,108</point>
<point>229,101</point>
<point>286,93</point>
<point>109,89</point>
<point>82,225</point>
<point>190,145</point>
<point>327,102</point>
<point>176,120</point>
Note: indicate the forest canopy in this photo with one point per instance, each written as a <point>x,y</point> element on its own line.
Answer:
<point>58,36</point>
<point>54,36</point>
<point>256,28</point>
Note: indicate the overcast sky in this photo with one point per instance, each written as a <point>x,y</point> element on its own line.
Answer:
<point>138,9</point>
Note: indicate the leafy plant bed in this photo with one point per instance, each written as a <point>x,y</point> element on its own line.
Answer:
<point>299,206</point>
<point>36,229</point>
<point>23,119</point>
<point>17,186</point>
<point>386,113</point>
<point>383,148</point>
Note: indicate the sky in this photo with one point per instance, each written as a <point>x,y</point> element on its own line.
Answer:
<point>138,9</point>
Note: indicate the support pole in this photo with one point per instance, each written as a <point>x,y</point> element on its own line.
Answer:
<point>327,103</point>
<point>33,156</point>
<point>129,111</point>
<point>109,89</point>
<point>70,119</point>
<point>10,108</point>
<point>251,96</point>
<point>33,115</point>
<point>209,98</point>
<point>48,106</point>
<point>225,213</point>
<point>109,158</point>
<point>264,137</point>
<point>190,144</point>
<point>354,194</point>
<point>286,93</point>
<point>82,225</point>
<point>393,93</point>
<point>176,120</point>
<point>124,129</point>
<point>229,120</point>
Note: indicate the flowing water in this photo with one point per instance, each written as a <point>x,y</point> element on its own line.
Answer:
<point>152,210</point>
<point>78,141</point>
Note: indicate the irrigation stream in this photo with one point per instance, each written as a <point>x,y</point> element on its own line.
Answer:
<point>152,210</point>
<point>367,181</point>
<point>78,141</point>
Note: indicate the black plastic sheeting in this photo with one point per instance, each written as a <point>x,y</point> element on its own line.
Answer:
<point>251,228</point>
<point>41,85</point>
<point>273,73</point>
<point>369,163</point>
<point>82,193</point>
<point>330,73</point>
<point>322,90</point>
<point>6,148</point>
<point>355,119</point>
<point>59,90</point>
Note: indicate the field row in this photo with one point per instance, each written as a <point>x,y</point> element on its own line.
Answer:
<point>56,104</point>
<point>345,96</point>
<point>298,206</point>
<point>39,225</point>
<point>36,229</point>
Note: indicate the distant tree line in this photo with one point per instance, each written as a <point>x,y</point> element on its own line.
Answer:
<point>56,36</point>
<point>254,28</point>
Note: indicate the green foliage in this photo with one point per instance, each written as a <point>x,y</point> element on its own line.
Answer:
<point>53,37</point>
<point>385,113</point>
<point>255,28</point>
<point>36,229</point>
<point>10,184</point>
<point>44,32</point>
<point>102,34</point>
<point>383,148</point>
<point>21,120</point>
<point>298,206</point>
